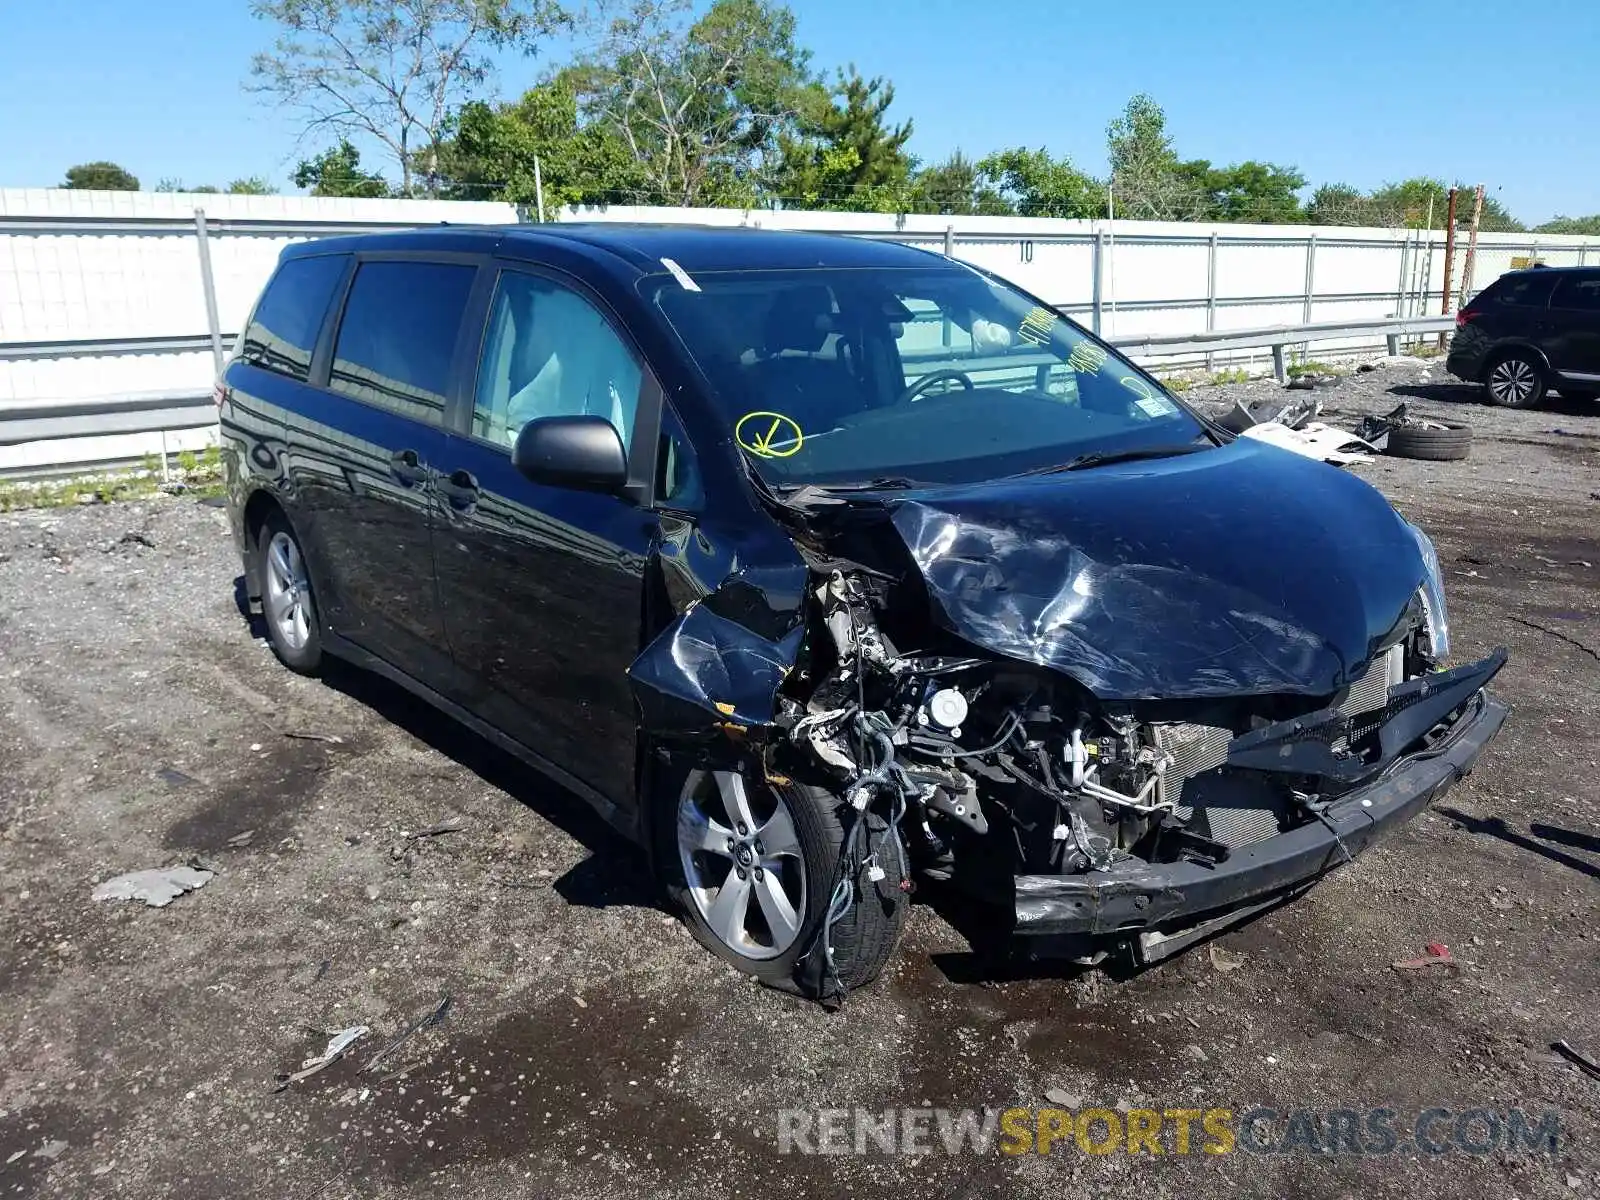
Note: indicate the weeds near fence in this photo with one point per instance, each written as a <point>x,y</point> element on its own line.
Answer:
<point>196,475</point>
<point>1231,375</point>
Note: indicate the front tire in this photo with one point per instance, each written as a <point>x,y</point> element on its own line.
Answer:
<point>288,606</point>
<point>1514,380</point>
<point>751,865</point>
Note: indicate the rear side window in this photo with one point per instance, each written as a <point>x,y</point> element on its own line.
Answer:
<point>1520,291</point>
<point>398,335</point>
<point>283,329</point>
<point>1578,291</point>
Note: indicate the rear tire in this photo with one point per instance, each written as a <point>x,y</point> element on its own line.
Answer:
<point>288,606</point>
<point>794,833</point>
<point>1514,380</point>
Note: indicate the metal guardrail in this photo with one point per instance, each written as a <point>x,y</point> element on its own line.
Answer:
<point>1280,336</point>
<point>156,412</point>
<point>145,412</point>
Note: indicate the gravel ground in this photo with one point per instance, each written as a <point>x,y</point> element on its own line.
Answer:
<point>591,1046</point>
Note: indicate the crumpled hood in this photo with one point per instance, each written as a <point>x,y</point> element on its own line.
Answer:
<point>1236,571</point>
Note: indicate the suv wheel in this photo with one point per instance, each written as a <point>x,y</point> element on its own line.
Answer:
<point>287,604</point>
<point>1515,381</point>
<point>751,864</point>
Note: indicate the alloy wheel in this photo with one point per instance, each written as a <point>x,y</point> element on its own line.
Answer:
<point>288,599</point>
<point>1512,381</point>
<point>742,862</point>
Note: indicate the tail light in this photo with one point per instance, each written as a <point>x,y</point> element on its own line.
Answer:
<point>1462,317</point>
<point>219,393</point>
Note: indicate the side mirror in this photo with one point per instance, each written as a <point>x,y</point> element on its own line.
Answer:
<point>582,453</point>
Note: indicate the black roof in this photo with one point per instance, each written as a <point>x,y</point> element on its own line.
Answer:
<point>695,248</point>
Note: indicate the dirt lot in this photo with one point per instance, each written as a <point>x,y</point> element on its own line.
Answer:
<point>591,1046</point>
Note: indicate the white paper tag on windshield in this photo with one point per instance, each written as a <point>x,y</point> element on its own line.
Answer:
<point>685,280</point>
<point>1156,406</point>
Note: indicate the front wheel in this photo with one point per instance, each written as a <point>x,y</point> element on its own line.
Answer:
<point>1514,381</point>
<point>752,864</point>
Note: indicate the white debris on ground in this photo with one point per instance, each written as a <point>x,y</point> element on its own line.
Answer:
<point>157,888</point>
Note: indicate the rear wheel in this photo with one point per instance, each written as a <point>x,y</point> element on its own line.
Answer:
<point>752,865</point>
<point>288,606</point>
<point>1514,380</point>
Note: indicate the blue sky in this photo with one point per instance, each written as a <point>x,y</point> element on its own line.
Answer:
<point>1361,91</point>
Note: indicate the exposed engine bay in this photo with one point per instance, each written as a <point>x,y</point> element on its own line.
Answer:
<point>1011,770</point>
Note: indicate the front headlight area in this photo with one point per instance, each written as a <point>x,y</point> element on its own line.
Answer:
<point>1431,596</point>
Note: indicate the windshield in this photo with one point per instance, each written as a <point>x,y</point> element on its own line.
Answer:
<point>936,375</point>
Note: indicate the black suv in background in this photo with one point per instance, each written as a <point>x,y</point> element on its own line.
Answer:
<point>1530,331</point>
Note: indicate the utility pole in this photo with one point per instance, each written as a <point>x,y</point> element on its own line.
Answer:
<point>1472,245</point>
<point>538,187</point>
<point>1449,258</point>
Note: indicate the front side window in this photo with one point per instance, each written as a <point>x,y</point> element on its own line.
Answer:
<point>282,333</point>
<point>398,336</point>
<point>937,375</point>
<point>550,353</point>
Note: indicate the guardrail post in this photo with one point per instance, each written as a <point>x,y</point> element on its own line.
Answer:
<point>1211,291</point>
<point>209,285</point>
<point>1394,344</point>
<point>1311,277</point>
<point>1279,370</point>
<point>1098,271</point>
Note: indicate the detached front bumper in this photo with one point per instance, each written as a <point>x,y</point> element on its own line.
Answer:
<point>1167,905</point>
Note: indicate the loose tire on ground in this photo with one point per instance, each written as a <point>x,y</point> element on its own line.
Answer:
<point>288,605</point>
<point>1434,445</point>
<point>811,842</point>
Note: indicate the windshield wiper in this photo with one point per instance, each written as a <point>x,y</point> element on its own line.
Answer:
<point>1101,458</point>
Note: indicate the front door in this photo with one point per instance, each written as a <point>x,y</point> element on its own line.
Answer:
<point>364,458</point>
<point>542,588</point>
<point>1574,342</point>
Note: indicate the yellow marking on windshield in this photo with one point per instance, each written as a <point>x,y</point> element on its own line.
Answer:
<point>1037,326</point>
<point>1087,358</point>
<point>769,434</point>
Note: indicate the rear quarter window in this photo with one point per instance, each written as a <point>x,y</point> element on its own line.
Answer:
<point>1578,292</point>
<point>1519,291</point>
<point>282,333</point>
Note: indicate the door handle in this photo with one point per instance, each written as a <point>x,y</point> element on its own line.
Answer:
<point>408,468</point>
<point>460,488</point>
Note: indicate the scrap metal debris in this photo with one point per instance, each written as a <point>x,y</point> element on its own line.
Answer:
<point>175,777</point>
<point>1315,440</point>
<point>453,825</point>
<point>157,888</point>
<point>306,735</point>
<point>428,1020</point>
<point>1437,955</point>
<point>240,840</point>
<point>338,1043</point>
<point>1577,1058</point>
<point>1293,412</point>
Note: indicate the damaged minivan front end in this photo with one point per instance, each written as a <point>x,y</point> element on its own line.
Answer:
<point>1115,718</point>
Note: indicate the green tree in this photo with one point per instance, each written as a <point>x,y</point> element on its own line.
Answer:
<point>1337,204</point>
<point>700,104</point>
<point>1583,225</point>
<point>1033,184</point>
<point>1148,183</point>
<point>251,185</point>
<point>957,188</point>
<point>337,172</point>
<point>844,154</point>
<point>1265,193</point>
<point>493,151</point>
<point>101,177</point>
<point>390,72</point>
